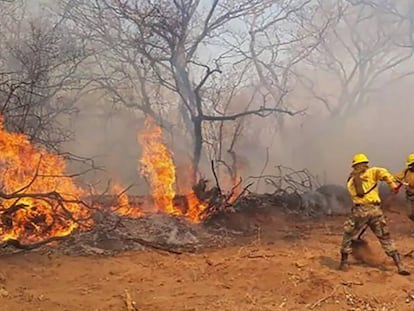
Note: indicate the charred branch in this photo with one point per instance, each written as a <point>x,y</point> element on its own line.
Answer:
<point>288,180</point>
<point>47,213</point>
<point>261,112</point>
<point>17,244</point>
<point>159,247</point>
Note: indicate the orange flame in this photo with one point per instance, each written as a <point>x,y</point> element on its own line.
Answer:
<point>195,207</point>
<point>159,168</point>
<point>31,174</point>
<point>123,206</point>
<point>30,177</point>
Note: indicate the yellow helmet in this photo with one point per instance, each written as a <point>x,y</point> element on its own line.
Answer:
<point>360,158</point>
<point>410,159</point>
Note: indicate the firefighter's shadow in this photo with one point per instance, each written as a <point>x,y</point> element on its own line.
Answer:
<point>329,262</point>
<point>376,265</point>
<point>359,262</point>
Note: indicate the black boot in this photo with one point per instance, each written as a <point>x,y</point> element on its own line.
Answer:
<point>397,261</point>
<point>344,262</point>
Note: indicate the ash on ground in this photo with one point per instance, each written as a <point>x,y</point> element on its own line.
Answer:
<point>157,231</point>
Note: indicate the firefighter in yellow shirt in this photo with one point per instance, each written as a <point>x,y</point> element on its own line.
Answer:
<point>362,185</point>
<point>406,177</point>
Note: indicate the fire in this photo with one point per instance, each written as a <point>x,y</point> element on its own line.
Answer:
<point>30,179</point>
<point>158,167</point>
<point>37,200</point>
<point>123,206</point>
<point>195,207</point>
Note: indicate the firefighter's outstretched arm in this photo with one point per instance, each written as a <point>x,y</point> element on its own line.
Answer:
<point>383,174</point>
<point>400,176</point>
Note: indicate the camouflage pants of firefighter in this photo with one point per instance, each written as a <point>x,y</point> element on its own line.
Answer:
<point>372,216</point>
<point>410,206</point>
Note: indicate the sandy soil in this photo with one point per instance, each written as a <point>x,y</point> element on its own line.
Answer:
<point>291,265</point>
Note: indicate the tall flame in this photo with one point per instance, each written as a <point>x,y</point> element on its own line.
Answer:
<point>157,165</point>
<point>28,178</point>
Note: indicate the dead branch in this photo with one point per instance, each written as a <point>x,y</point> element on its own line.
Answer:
<point>289,180</point>
<point>130,304</point>
<point>264,167</point>
<point>53,195</point>
<point>261,112</point>
<point>222,203</point>
<point>156,246</point>
<point>323,299</point>
<point>14,208</point>
<point>56,207</point>
<point>242,193</point>
<point>409,254</point>
<point>256,256</point>
<point>215,177</point>
<point>19,245</point>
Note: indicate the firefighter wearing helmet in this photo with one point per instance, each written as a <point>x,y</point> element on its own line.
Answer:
<point>362,186</point>
<point>406,178</point>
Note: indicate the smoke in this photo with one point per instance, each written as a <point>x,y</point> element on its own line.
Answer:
<point>382,130</point>
<point>108,136</point>
<point>380,126</point>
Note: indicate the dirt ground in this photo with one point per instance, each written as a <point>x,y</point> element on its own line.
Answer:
<point>289,265</point>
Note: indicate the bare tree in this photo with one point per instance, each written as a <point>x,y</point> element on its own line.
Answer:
<point>275,44</point>
<point>280,40</point>
<point>148,44</point>
<point>367,48</point>
<point>38,60</point>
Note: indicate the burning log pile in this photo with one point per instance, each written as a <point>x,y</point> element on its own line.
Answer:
<point>38,201</point>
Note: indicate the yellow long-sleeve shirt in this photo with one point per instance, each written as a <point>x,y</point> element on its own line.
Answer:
<point>370,179</point>
<point>407,177</point>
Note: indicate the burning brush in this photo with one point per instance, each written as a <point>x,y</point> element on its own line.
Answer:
<point>40,203</point>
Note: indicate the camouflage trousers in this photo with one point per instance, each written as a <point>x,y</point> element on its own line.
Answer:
<point>410,206</point>
<point>372,216</point>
